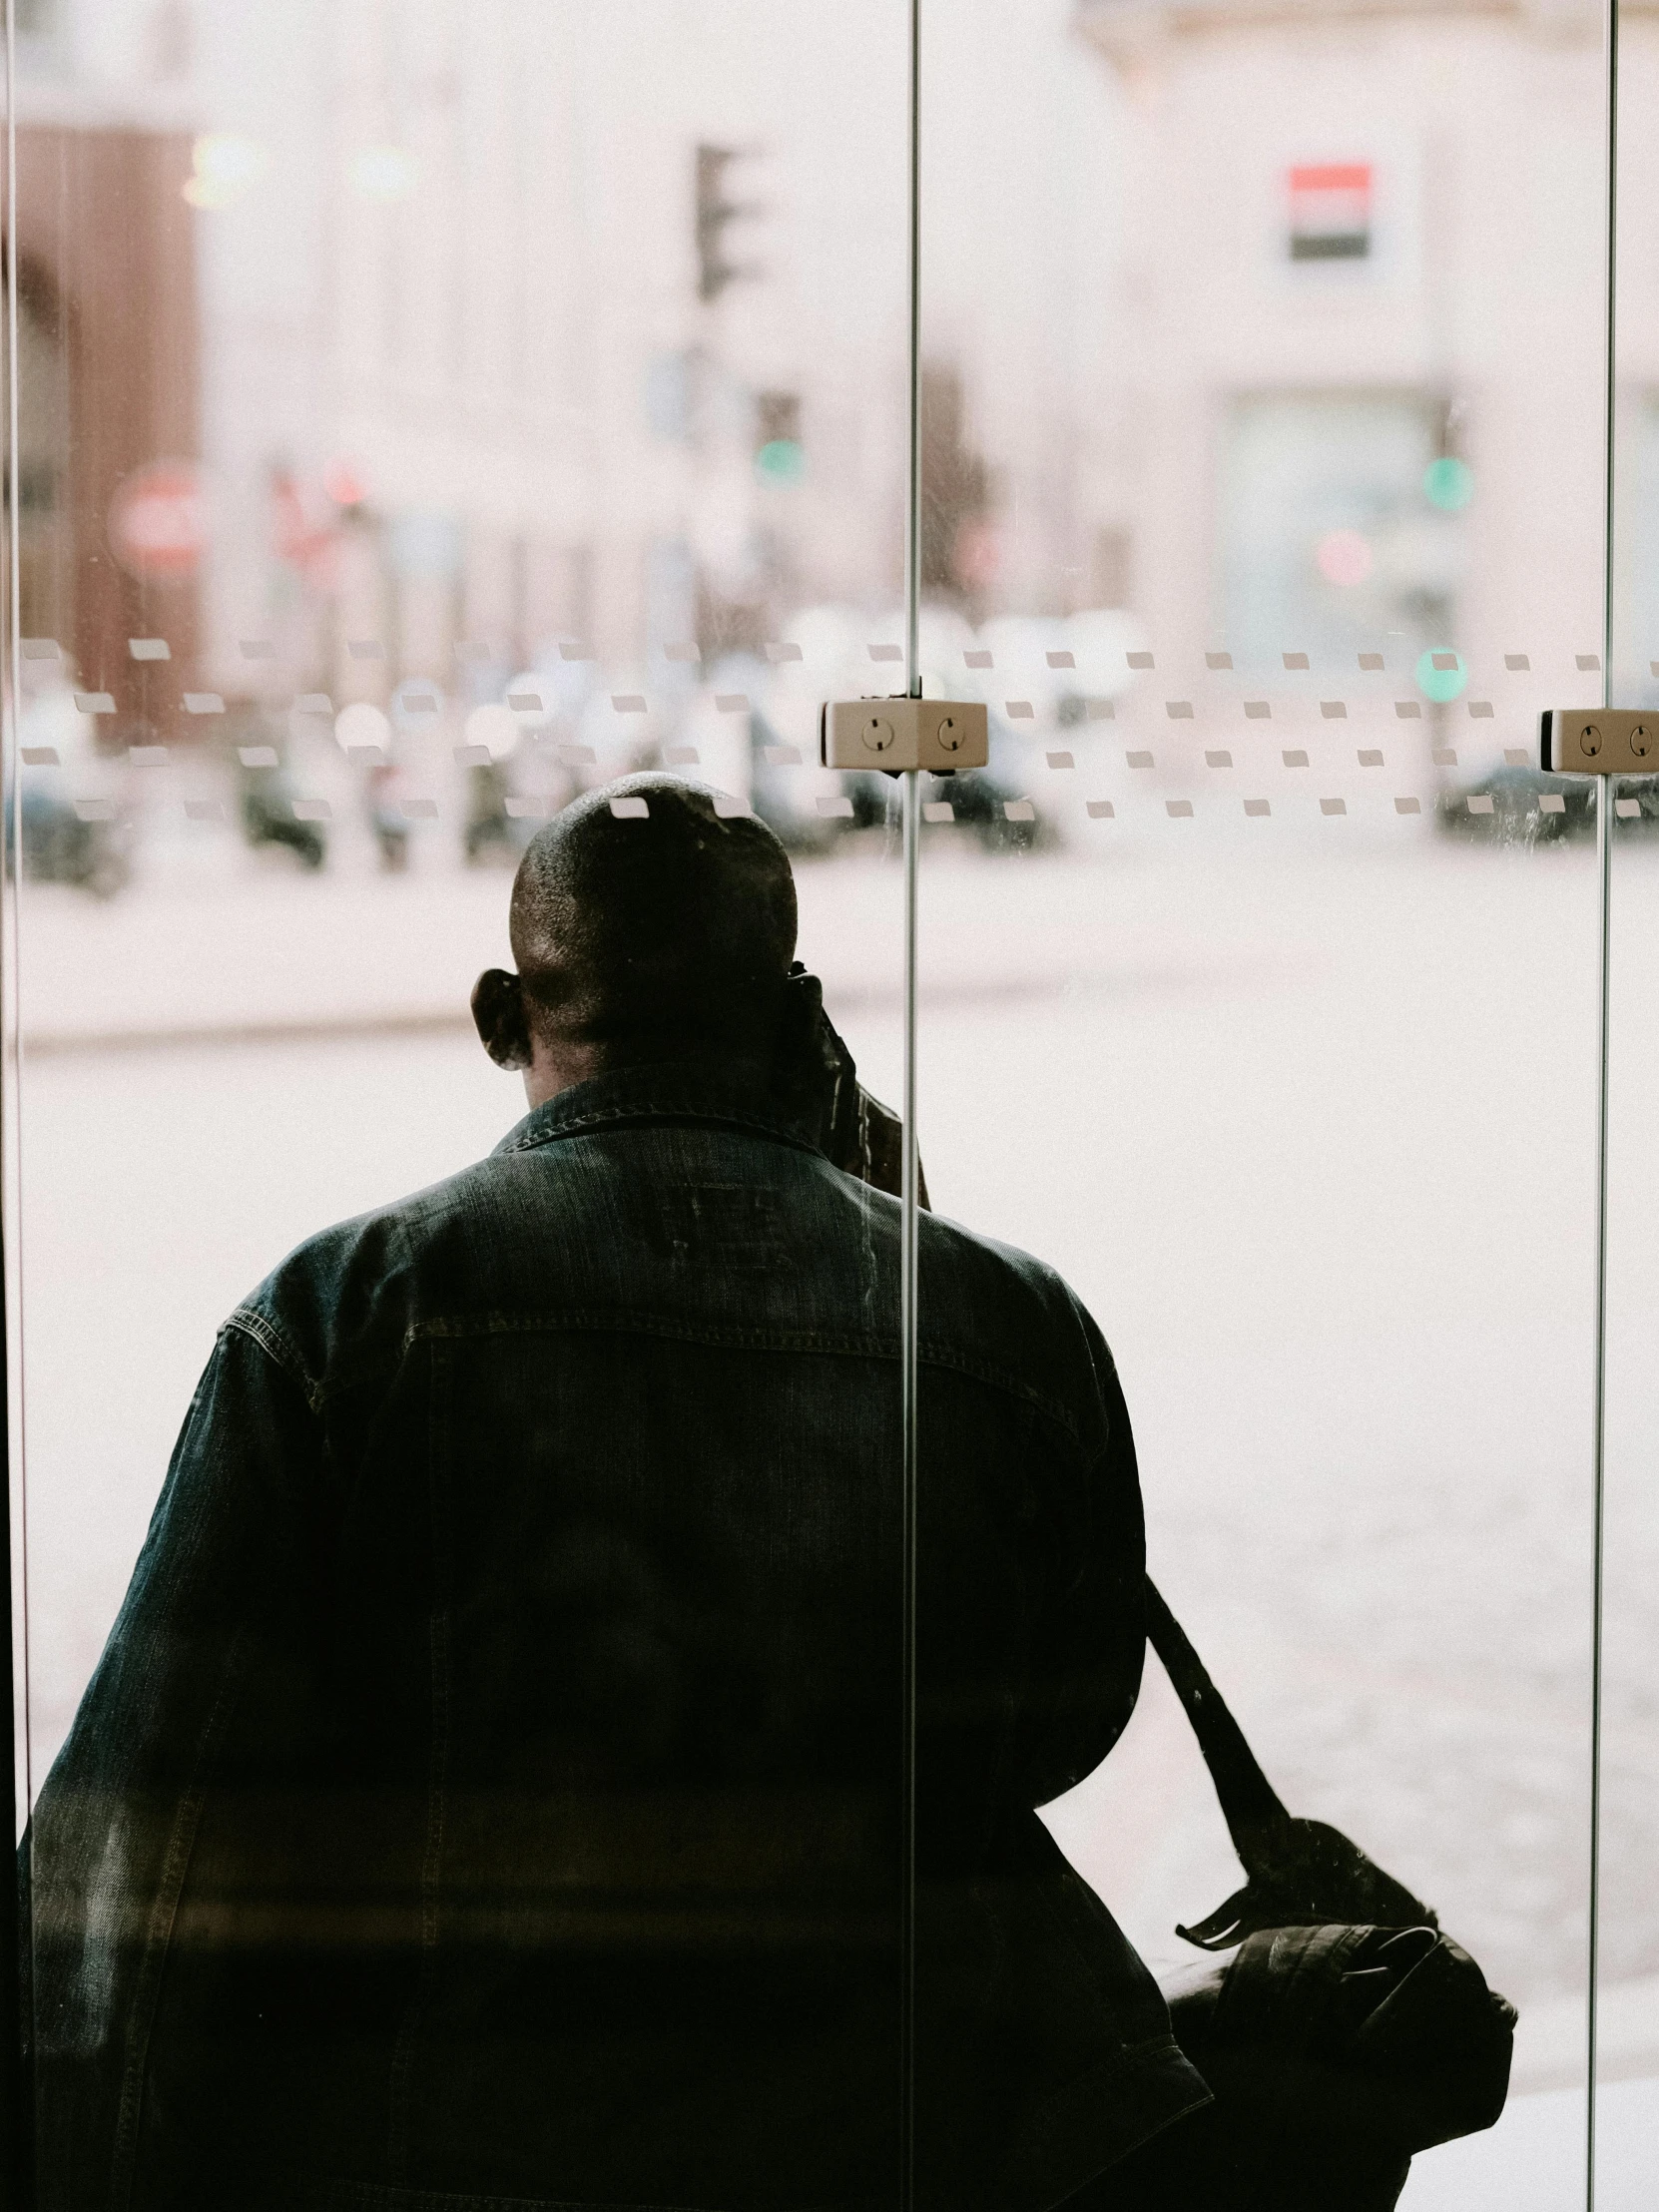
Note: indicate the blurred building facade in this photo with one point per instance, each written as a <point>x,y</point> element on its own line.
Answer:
<point>423,291</point>
<point>1362,293</point>
<point>485,334</point>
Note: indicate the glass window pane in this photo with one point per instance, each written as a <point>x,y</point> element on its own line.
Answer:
<point>429,416</point>
<point>1262,367</point>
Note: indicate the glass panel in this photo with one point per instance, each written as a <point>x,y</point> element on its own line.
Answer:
<point>428,413</point>
<point>1262,376</point>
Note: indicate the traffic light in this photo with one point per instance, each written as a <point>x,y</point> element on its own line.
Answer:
<point>779,458</point>
<point>715,215</point>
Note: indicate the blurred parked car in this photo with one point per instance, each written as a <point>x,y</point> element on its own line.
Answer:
<point>60,846</point>
<point>268,816</point>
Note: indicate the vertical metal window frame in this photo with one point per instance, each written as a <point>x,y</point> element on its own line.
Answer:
<point>16,2115</point>
<point>910,1361</point>
<point>1605,795</point>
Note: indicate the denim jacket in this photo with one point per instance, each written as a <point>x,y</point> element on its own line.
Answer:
<point>491,1788</point>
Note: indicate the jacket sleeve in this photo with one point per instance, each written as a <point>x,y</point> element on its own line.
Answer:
<point>214,1599</point>
<point>1091,1640</point>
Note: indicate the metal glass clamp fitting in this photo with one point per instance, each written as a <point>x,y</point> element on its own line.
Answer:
<point>897,735</point>
<point>1599,740</point>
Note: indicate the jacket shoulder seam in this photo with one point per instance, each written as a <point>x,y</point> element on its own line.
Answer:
<point>276,1344</point>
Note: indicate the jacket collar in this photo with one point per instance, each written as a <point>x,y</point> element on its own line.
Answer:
<point>708,1091</point>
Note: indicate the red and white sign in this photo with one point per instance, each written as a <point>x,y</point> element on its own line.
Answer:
<point>1330,212</point>
<point>158,521</point>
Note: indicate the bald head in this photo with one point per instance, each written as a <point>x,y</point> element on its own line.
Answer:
<point>642,939</point>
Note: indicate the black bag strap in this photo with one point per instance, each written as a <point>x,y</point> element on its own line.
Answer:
<point>1301,1874</point>
<point>1249,1803</point>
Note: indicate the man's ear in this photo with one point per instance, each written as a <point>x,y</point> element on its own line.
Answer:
<point>500,1015</point>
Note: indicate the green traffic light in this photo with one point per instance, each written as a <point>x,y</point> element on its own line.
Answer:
<point>782,461</point>
<point>1449,484</point>
<point>1441,684</point>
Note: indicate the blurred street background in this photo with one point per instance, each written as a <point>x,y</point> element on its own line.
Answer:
<point>429,411</point>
